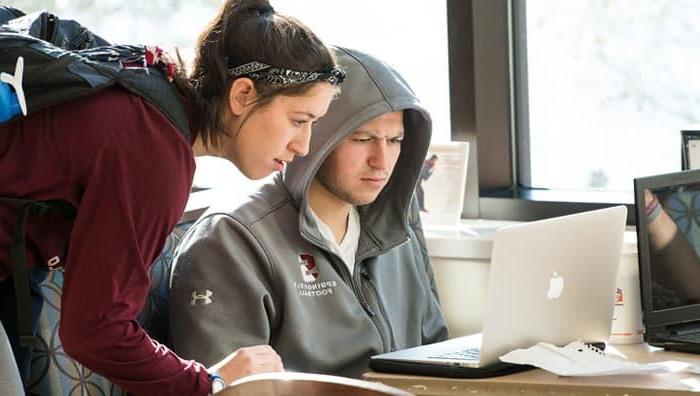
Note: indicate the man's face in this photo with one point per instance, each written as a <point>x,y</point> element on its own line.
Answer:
<point>358,169</point>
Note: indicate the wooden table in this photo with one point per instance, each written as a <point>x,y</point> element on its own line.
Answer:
<point>540,382</point>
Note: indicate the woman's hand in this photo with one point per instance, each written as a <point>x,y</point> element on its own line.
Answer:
<point>661,228</point>
<point>648,197</point>
<point>247,361</point>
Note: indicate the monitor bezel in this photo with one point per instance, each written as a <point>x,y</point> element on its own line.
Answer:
<point>668,316</point>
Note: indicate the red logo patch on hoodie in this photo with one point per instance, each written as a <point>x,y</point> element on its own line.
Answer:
<point>309,272</point>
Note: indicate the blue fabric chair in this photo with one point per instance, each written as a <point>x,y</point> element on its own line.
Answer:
<point>154,316</point>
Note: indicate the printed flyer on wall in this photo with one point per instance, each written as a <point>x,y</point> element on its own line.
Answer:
<point>440,190</point>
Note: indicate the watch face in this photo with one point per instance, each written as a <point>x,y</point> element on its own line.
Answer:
<point>217,384</point>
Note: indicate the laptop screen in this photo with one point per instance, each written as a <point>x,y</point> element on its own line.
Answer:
<point>671,216</point>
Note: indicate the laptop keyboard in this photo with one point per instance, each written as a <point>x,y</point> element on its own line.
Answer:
<point>467,354</point>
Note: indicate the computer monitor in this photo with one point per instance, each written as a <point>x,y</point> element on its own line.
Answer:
<point>668,232</point>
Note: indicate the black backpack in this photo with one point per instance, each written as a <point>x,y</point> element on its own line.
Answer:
<point>64,61</point>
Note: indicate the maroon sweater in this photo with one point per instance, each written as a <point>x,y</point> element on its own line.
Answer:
<point>128,171</point>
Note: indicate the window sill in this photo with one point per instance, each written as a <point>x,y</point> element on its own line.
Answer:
<point>473,239</point>
<point>529,204</point>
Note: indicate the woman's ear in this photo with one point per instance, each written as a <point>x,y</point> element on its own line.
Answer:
<point>241,94</point>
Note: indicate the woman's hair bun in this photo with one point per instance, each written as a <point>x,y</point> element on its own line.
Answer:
<point>256,7</point>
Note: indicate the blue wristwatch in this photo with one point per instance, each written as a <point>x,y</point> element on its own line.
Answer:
<point>217,383</point>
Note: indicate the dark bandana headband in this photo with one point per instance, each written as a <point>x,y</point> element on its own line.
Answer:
<point>278,76</point>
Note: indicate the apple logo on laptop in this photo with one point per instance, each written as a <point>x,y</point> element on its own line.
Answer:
<point>556,285</point>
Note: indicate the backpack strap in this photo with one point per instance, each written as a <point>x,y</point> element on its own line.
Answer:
<point>18,257</point>
<point>157,90</point>
<point>150,83</point>
<point>8,13</point>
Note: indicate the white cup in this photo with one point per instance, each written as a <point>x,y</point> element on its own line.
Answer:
<point>627,327</point>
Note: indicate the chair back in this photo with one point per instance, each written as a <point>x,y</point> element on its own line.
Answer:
<point>10,382</point>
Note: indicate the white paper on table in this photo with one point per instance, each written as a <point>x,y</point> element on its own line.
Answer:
<point>579,359</point>
<point>693,368</point>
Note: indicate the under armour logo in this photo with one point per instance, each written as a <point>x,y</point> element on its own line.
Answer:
<point>205,297</point>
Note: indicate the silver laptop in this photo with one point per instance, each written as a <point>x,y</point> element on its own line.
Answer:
<point>550,281</point>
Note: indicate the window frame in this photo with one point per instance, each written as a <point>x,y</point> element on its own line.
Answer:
<point>487,43</point>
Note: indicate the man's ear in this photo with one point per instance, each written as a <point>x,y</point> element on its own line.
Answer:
<point>241,95</point>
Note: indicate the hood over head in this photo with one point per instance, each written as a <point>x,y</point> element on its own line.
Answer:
<point>371,88</point>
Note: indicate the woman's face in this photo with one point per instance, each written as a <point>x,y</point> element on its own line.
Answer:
<point>271,136</point>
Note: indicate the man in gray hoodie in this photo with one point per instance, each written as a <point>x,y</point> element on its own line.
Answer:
<point>328,262</point>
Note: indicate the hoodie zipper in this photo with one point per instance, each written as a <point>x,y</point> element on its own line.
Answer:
<point>378,322</point>
<point>357,290</point>
<point>368,277</point>
<point>376,319</point>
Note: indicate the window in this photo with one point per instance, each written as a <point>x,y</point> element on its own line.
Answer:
<point>610,85</point>
<point>571,100</point>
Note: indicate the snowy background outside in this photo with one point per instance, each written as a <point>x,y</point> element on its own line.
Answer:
<point>611,84</point>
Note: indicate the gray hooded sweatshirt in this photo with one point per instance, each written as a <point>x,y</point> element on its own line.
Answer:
<point>262,273</point>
